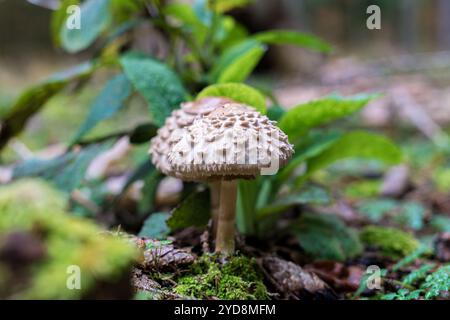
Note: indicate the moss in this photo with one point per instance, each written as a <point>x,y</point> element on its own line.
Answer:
<point>237,279</point>
<point>362,189</point>
<point>33,207</point>
<point>392,242</point>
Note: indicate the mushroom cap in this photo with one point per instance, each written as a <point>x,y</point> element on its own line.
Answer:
<point>173,129</point>
<point>233,141</point>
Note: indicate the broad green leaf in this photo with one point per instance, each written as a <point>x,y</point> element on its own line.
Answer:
<point>28,103</point>
<point>125,10</point>
<point>313,145</point>
<point>243,66</point>
<point>275,112</point>
<point>312,195</point>
<point>298,120</point>
<point>248,191</point>
<point>299,39</point>
<point>376,209</point>
<point>193,211</point>
<point>227,5</point>
<point>155,226</point>
<point>187,18</point>
<point>355,144</point>
<point>143,133</point>
<point>203,12</point>
<point>440,223</point>
<point>326,237</point>
<point>110,100</point>
<point>66,171</point>
<point>95,17</point>
<point>248,50</point>
<point>238,92</point>
<point>151,181</point>
<point>34,98</point>
<point>151,177</point>
<point>159,85</point>
<point>411,215</point>
<point>229,32</point>
<point>58,18</point>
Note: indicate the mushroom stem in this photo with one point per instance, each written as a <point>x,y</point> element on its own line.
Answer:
<point>215,202</point>
<point>227,213</point>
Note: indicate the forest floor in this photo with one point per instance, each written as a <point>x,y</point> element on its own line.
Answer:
<point>400,216</point>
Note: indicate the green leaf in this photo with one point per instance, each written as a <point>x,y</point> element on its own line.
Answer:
<point>326,237</point>
<point>66,171</point>
<point>418,274</point>
<point>298,120</point>
<point>229,32</point>
<point>312,146</point>
<point>147,172</point>
<point>355,144</point>
<point>143,133</point>
<point>421,251</point>
<point>222,6</point>
<point>437,283</point>
<point>299,39</point>
<point>95,17</point>
<point>193,211</point>
<point>155,226</point>
<point>248,191</point>
<point>312,195</point>
<point>238,92</point>
<point>188,20</point>
<point>440,223</point>
<point>203,12</point>
<point>110,100</point>
<point>151,181</point>
<point>33,99</point>
<point>275,112</point>
<point>226,68</point>
<point>58,19</point>
<point>241,68</point>
<point>376,209</point>
<point>411,215</point>
<point>159,85</point>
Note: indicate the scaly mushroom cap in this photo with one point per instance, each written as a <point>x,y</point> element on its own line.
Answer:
<point>231,142</point>
<point>173,129</point>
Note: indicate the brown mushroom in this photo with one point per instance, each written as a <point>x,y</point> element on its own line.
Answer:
<point>174,129</point>
<point>231,142</point>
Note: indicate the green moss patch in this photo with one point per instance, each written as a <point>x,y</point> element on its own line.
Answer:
<point>392,242</point>
<point>237,279</point>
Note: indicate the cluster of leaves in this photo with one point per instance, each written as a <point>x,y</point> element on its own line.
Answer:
<point>209,54</point>
<point>427,282</point>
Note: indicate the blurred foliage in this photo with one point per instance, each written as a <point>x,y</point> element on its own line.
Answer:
<point>326,237</point>
<point>32,209</point>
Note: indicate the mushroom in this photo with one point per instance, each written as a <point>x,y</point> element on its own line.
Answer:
<point>230,143</point>
<point>174,129</point>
